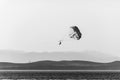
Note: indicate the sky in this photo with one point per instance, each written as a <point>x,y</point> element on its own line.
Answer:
<point>38,25</point>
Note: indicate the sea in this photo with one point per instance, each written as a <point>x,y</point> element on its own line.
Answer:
<point>59,74</point>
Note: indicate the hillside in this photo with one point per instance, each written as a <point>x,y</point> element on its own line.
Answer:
<point>61,65</point>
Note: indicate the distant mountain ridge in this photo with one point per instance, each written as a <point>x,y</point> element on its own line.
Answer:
<point>20,60</point>
<point>17,56</point>
<point>61,65</point>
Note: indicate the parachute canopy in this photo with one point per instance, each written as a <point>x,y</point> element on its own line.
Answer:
<point>76,34</point>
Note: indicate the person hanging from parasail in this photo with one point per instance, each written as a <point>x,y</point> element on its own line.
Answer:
<point>75,34</point>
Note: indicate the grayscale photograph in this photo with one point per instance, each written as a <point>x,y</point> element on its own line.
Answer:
<point>59,40</point>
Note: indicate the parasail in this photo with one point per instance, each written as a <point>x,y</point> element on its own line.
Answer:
<point>74,34</point>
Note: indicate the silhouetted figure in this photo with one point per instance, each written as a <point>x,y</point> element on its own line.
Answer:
<point>60,42</point>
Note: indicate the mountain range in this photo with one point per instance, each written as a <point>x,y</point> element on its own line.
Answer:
<point>16,56</point>
<point>61,65</point>
<point>86,60</point>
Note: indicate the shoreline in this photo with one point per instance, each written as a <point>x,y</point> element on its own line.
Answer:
<point>59,70</point>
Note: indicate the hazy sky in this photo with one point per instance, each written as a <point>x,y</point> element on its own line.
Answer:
<point>38,25</point>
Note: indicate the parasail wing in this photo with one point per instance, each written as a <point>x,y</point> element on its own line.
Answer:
<point>76,34</point>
